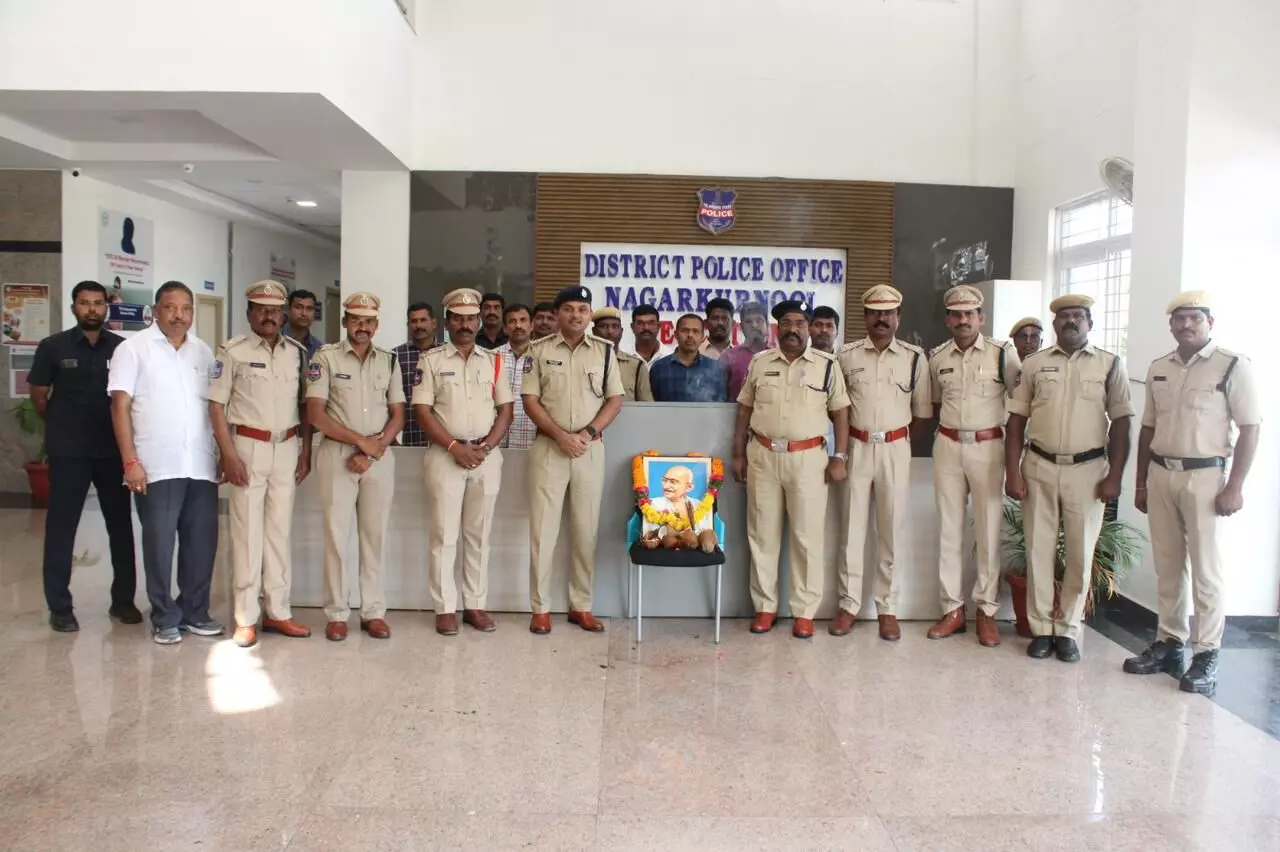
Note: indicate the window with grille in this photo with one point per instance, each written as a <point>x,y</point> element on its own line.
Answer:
<point>1092,257</point>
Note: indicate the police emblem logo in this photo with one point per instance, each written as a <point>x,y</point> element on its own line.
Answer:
<point>417,378</point>
<point>215,370</point>
<point>313,372</point>
<point>715,210</point>
<point>527,367</point>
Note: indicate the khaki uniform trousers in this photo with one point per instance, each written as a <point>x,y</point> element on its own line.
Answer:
<point>460,499</point>
<point>1060,495</point>
<point>552,475</point>
<point>368,497</point>
<point>260,518</point>
<point>961,471</point>
<point>1184,523</point>
<point>790,485</point>
<point>879,473</point>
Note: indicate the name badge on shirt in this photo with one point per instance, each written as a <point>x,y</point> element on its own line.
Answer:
<point>775,373</point>
<point>70,363</point>
<point>946,370</point>
<point>447,373</point>
<point>342,375</point>
<point>856,370</point>
<point>1157,378</point>
<point>256,364</point>
<point>1048,369</point>
<point>553,363</point>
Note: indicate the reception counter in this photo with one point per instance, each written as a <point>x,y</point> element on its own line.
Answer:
<point>671,428</point>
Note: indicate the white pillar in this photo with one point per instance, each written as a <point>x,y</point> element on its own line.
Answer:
<point>375,245</point>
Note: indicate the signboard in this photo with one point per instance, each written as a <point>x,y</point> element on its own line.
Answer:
<point>21,359</point>
<point>26,313</point>
<point>284,270</point>
<point>681,279</point>
<point>125,268</point>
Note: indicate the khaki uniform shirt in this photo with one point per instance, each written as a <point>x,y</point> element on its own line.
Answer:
<point>791,400</point>
<point>635,377</point>
<point>883,387</point>
<point>464,393</point>
<point>260,385</point>
<point>710,351</point>
<point>357,392</point>
<point>570,382</point>
<point>968,386</point>
<point>1070,399</point>
<point>1191,415</point>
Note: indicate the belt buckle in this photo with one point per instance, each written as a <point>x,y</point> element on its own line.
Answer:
<point>966,437</point>
<point>876,437</point>
<point>1064,458</point>
<point>1174,464</point>
<point>778,445</point>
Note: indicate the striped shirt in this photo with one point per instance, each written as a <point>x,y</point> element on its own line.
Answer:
<point>522,432</point>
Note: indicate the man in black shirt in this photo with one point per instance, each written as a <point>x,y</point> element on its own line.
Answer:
<point>82,449</point>
<point>491,334</point>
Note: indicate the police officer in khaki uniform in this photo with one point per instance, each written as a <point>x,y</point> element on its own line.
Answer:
<point>462,399</point>
<point>1026,335</point>
<point>1073,406</point>
<point>779,451</point>
<point>571,392</point>
<point>1194,395</point>
<point>607,323</point>
<point>971,376</point>
<point>355,397</point>
<point>888,383</point>
<point>256,408</point>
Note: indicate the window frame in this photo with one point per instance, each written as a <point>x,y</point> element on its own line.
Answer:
<point>1113,247</point>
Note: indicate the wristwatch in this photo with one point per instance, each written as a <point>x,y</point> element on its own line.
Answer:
<point>487,449</point>
<point>844,457</point>
<point>591,431</point>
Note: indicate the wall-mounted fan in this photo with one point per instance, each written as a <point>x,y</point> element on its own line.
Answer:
<point>1117,174</point>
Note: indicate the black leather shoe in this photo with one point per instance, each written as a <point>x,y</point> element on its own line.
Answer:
<point>125,613</point>
<point>1202,677</point>
<point>1068,650</point>
<point>1040,648</point>
<point>64,622</point>
<point>1163,656</point>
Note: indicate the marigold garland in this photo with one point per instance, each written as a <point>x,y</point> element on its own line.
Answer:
<point>671,520</point>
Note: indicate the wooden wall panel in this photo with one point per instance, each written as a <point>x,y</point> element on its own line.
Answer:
<point>856,216</point>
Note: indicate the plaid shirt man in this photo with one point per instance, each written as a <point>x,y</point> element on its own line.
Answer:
<point>408,354</point>
<point>522,432</point>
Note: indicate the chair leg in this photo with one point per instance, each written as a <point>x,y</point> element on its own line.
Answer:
<point>631,579</point>
<point>639,601</point>
<point>719,574</point>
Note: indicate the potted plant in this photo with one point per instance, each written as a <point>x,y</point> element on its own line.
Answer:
<point>31,423</point>
<point>1119,548</point>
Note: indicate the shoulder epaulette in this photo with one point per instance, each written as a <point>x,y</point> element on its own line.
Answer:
<point>236,341</point>
<point>1230,354</point>
<point>935,350</point>
<point>328,347</point>
<point>764,353</point>
<point>911,347</point>
<point>286,337</point>
<point>378,348</point>
<point>849,347</point>
<point>625,357</point>
<point>823,353</point>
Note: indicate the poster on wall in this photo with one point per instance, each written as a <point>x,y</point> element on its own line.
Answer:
<point>21,359</point>
<point>681,279</point>
<point>125,260</point>
<point>26,313</point>
<point>284,270</point>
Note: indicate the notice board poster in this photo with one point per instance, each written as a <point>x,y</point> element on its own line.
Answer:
<point>125,267</point>
<point>26,313</point>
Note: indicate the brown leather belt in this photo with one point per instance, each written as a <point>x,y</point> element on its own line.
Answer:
<point>782,445</point>
<point>264,435</point>
<point>879,437</point>
<point>962,437</point>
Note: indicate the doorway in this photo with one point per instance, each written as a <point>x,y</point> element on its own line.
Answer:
<point>209,320</point>
<point>332,315</point>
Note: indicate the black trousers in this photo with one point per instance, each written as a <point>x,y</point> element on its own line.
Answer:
<point>69,480</point>
<point>181,512</point>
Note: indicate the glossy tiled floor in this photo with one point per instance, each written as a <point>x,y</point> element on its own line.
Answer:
<point>578,741</point>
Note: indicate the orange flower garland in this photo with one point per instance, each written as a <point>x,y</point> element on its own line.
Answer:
<point>671,520</point>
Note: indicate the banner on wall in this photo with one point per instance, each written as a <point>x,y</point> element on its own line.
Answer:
<point>125,261</point>
<point>26,313</point>
<point>681,279</point>
<point>284,270</point>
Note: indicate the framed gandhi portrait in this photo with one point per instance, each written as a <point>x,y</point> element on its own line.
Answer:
<point>676,493</point>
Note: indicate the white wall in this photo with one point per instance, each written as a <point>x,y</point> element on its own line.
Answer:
<point>189,247</point>
<point>317,269</point>
<point>896,90</point>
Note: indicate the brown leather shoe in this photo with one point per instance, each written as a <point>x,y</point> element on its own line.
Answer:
<point>540,623</point>
<point>288,627</point>
<point>245,637</point>
<point>952,622</point>
<point>377,628</point>
<point>584,619</point>
<point>335,631</point>
<point>763,622</point>
<point>447,624</point>
<point>479,619</point>
<point>988,635</point>
<point>803,628</point>
<point>842,624</point>
<point>889,629</point>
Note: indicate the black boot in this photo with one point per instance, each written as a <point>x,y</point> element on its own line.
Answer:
<point>1202,677</point>
<point>1163,656</point>
<point>1040,647</point>
<point>1068,650</point>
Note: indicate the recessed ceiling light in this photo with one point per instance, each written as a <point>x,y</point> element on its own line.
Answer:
<point>306,204</point>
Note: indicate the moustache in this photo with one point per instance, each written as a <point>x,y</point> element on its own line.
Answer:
<point>1071,327</point>
<point>791,335</point>
<point>882,325</point>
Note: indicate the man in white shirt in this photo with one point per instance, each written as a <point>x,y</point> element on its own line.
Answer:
<point>157,384</point>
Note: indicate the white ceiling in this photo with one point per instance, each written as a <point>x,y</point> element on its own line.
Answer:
<point>243,155</point>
